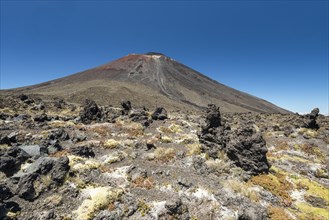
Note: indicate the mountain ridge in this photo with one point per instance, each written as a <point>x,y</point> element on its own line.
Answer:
<point>153,77</point>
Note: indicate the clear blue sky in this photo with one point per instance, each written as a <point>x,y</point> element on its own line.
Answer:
<point>276,50</point>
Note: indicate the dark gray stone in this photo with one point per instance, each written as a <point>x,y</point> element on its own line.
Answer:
<point>60,169</point>
<point>90,112</point>
<point>32,150</point>
<point>160,113</point>
<point>247,149</point>
<point>11,161</point>
<point>83,151</point>
<point>5,192</point>
<point>25,188</point>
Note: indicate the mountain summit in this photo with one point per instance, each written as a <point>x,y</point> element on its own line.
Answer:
<point>150,79</point>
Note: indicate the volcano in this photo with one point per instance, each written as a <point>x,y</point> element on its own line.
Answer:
<point>151,80</point>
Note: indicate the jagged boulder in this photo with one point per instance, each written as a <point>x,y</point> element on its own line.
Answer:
<point>247,149</point>
<point>5,192</point>
<point>12,159</point>
<point>56,168</point>
<point>42,118</point>
<point>3,211</point>
<point>160,113</point>
<point>214,133</point>
<point>25,187</point>
<point>60,169</point>
<point>310,119</point>
<point>90,112</point>
<point>213,119</point>
<point>244,146</point>
<point>83,151</point>
<point>24,98</point>
<point>140,115</point>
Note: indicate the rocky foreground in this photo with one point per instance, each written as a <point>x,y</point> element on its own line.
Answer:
<point>59,160</point>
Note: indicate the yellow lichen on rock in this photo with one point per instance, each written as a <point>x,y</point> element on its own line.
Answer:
<point>111,143</point>
<point>79,163</point>
<point>309,212</point>
<point>313,188</point>
<point>96,199</point>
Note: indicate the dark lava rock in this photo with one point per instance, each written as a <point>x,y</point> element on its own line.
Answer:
<point>140,116</point>
<point>10,139</point>
<point>42,118</point>
<point>91,112</point>
<point>8,165</point>
<point>213,119</point>
<point>58,134</point>
<point>310,119</point>
<point>5,193</point>
<point>12,206</point>
<point>3,211</point>
<point>24,98</point>
<point>126,105</point>
<point>60,103</point>
<point>25,188</point>
<point>60,169</point>
<point>252,211</point>
<point>13,136</point>
<point>176,207</point>
<point>83,151</point>
<point>4,139</point>
<point>160,113</point>
<point>110,114</point>
<point>45,165</point>
<point>50,146</point>
<point>11,161</point>
<point>247,149</point>
<point>214,134</point>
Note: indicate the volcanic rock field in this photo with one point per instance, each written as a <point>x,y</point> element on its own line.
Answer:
<point>62,160</point>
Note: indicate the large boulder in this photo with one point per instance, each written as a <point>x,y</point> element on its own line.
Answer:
<point>247,149</point>
<point>140,115</point>
<point>12,159</point>
<point>90,112</point>
<point>213,119</point>
<point>60,169</point>
<point>83,151</point>
<point>214,133</point>
<point>24,98</point>
<point>310,119</point>
<point>244,146</point>
<point>5,192</point>
<point>25,187</point>
<point>160,113</point>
